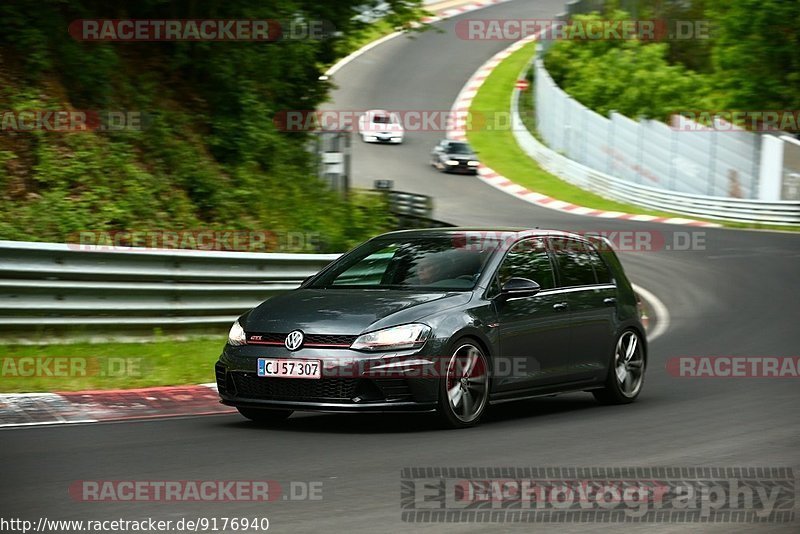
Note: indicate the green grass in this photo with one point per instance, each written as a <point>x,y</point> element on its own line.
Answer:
<point>108,365</point>
<point>499,150</point>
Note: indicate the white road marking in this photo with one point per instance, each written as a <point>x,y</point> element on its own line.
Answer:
<point>659,310</point>
<point>46,423</point>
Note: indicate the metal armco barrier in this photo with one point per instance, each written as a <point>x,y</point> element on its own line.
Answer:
<point>402,203</point>
<point>47,285</point>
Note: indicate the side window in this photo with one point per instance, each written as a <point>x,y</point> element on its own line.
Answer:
<point>574,263</point>
<point>600,268</point>
<point>528,259</point>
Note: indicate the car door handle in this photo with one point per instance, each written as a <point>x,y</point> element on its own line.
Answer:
<point>560,306</point>
<point>610,301</point>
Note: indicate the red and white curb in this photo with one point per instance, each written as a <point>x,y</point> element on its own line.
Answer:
<point>457,131</point>
<point>460,10</point>
<point>36,409</point>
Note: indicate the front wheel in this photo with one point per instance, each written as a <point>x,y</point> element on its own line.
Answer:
<point>464,390</point>
<point>626,374</point>
<point>263,416</point>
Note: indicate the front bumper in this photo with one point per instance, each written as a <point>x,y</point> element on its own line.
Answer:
<point>383,138</point>
<point>460,169</point>
<point>351,381</point>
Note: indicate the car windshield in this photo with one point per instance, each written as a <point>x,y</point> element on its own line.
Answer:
<point>442,263</point>
<point>382,119</point>
<point>459,148</point>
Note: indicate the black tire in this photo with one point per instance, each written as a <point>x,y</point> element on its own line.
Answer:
<point>472,382</point>
<point>264,416</point>
<point>626,370</point>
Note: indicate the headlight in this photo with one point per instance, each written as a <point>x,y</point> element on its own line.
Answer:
<point>452,162</point>
<point>473,163</point>
<point>408,336</point>
<point>237,336</point>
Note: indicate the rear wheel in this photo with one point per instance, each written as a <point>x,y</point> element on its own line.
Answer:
<point>263,416</point>
<point>464,390</point>
<point>626,373</point>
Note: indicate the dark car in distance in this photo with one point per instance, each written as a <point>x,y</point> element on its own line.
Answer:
<point>455,156</point>
<point>449,320</point>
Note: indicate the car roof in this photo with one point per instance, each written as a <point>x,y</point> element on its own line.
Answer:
<point>488,231</point>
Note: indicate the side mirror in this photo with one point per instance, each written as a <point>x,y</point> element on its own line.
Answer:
<point>519,287</point>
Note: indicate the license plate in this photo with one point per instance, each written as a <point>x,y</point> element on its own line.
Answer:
<point>289,368</point>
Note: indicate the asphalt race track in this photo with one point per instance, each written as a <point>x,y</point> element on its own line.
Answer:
<point>736,297</point>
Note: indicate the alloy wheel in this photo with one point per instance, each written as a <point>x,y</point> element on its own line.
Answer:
<point>467,383</point>
<point>629,364</point>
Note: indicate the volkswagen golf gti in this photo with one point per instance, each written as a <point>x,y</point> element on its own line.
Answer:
<point>446,320</point>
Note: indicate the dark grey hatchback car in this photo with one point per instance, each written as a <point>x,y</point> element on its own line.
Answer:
<point>448,320</point>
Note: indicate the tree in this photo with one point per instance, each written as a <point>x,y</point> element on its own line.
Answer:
<point>756,53</point>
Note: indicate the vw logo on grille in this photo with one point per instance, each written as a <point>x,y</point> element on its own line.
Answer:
<point>294,340</point>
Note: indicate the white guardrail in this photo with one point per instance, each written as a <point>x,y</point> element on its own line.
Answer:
<point>605,185</point>
<point>48,286</point>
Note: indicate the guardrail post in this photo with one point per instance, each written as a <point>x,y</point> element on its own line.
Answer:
<point>712,163</point>
<point>610,140</point>
<point>771,170</point>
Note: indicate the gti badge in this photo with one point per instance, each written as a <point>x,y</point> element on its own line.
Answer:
<point>294,340</point>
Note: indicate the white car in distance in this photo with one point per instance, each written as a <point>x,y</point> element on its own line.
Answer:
<point>380,126</point>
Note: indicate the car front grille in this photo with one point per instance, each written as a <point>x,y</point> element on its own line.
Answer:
<point>394,388</point>
<point>252,386</point>
<point>309,340</point>
<point>329,339</point>
<point>260,338</point>
<point>219,372</point>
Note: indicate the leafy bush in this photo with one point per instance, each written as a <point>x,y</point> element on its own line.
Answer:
<point>631,77</point>
<point>750,60</point>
